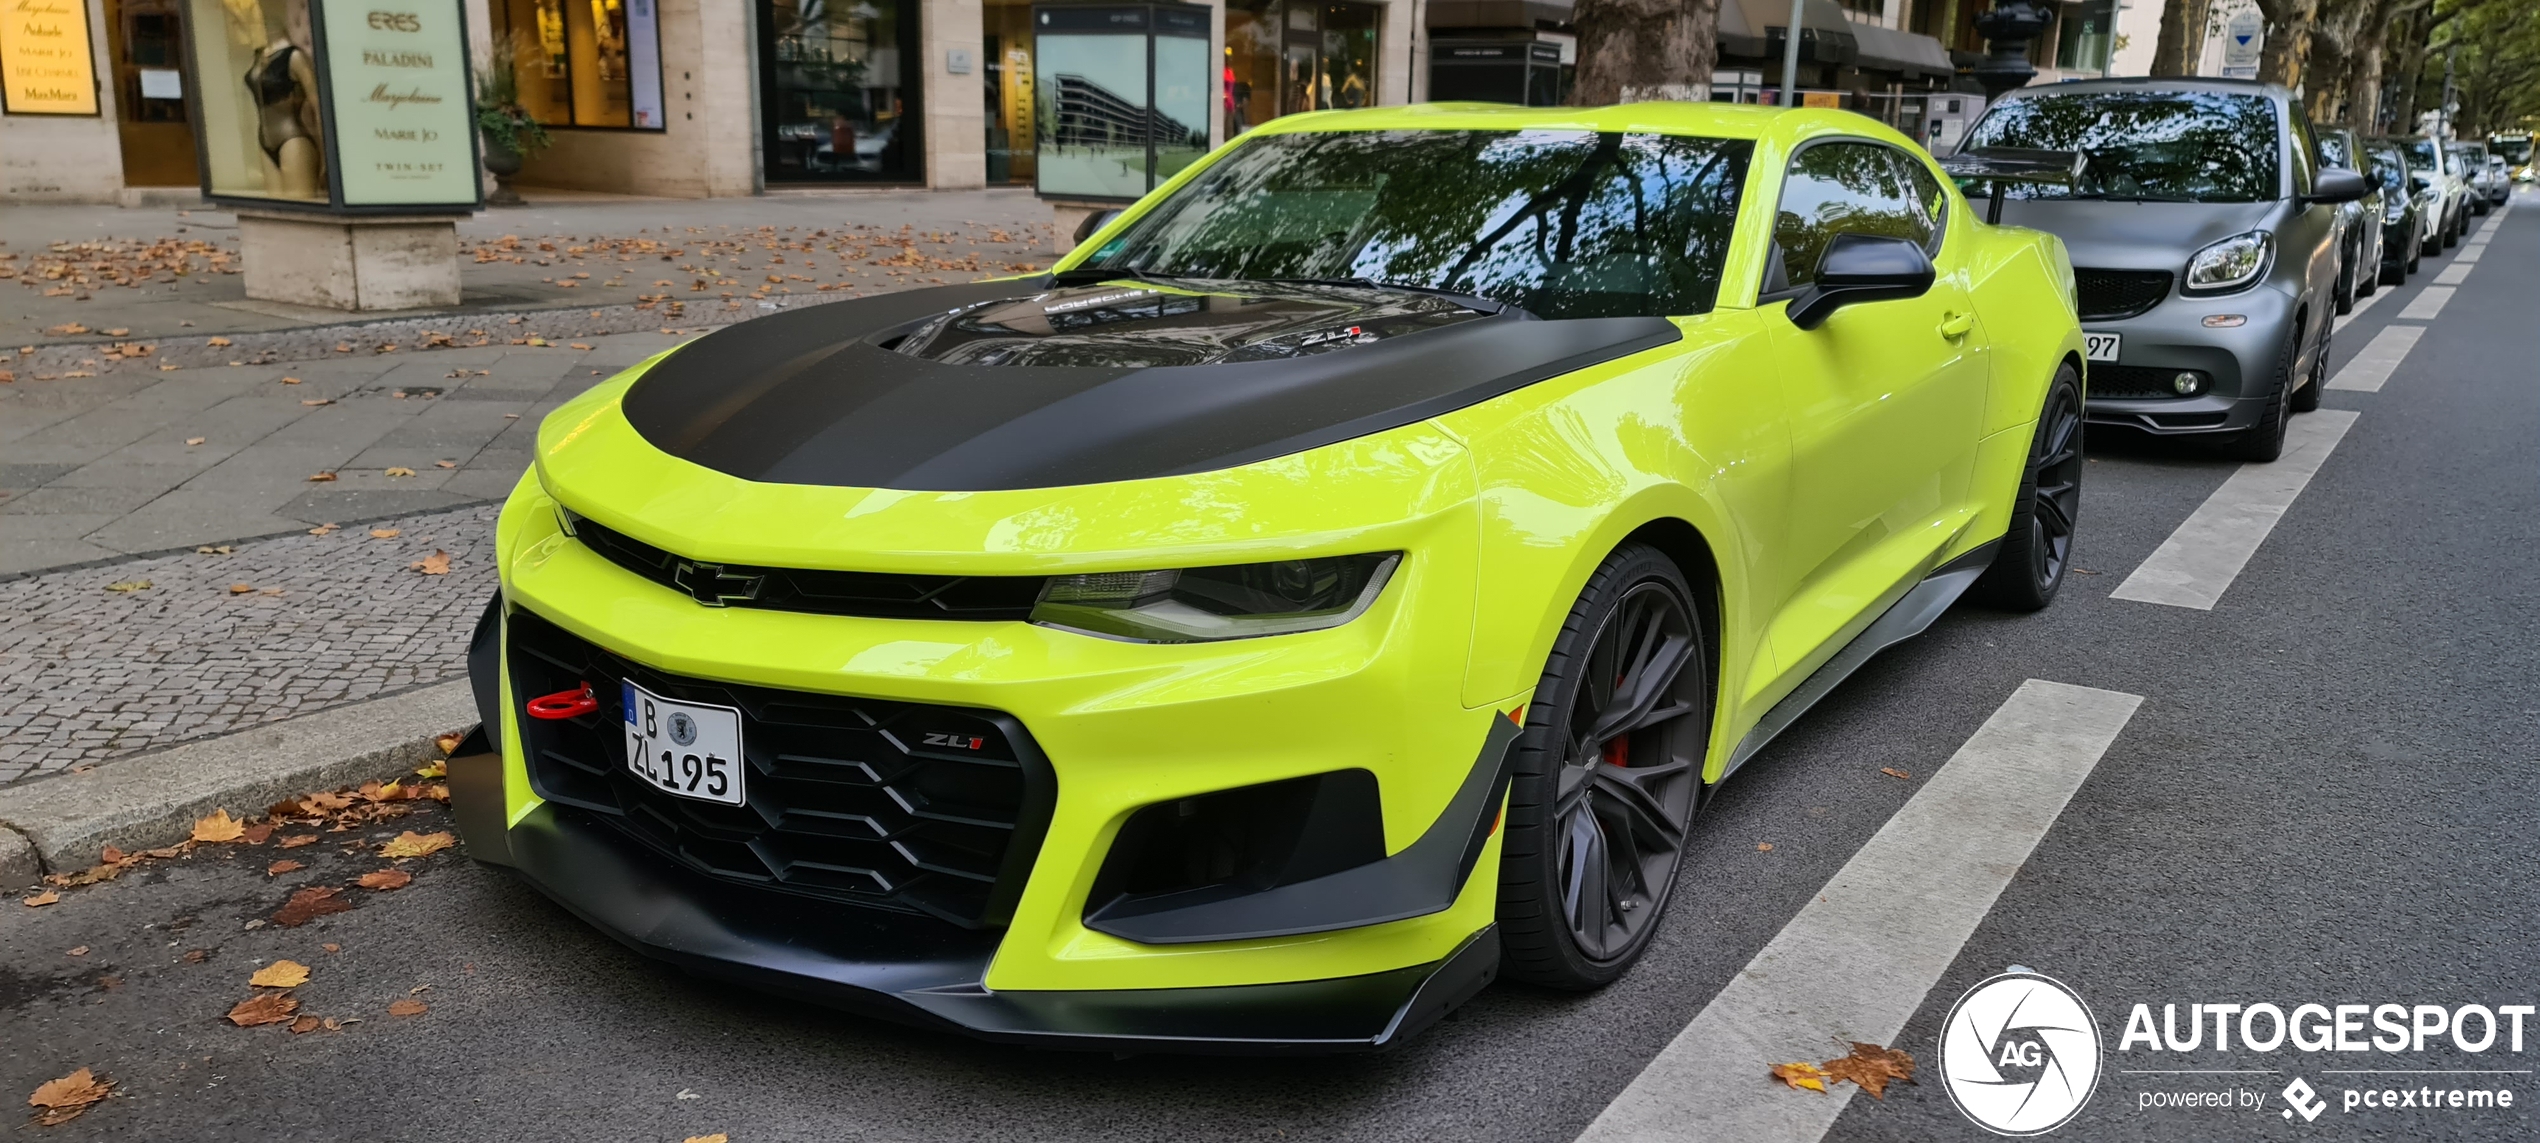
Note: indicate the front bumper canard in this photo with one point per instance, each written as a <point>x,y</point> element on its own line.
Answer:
<point>920,971</point>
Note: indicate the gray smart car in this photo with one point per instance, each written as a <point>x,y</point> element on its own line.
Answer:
<point>2206,241</point>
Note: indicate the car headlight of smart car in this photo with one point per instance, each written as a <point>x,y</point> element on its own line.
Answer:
<point>2231,264</point>
<point>1199,605</point>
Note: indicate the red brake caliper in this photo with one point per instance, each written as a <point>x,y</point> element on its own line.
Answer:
<point>565,704</point>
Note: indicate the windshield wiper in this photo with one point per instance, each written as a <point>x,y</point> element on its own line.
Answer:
<point>1081,275</point>
<point>1471,301</point>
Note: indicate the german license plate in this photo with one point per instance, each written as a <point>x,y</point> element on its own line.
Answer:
<point>2100,346</point>
<point>684,748</point>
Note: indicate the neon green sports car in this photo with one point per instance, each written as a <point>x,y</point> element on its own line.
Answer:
<point>1339,583</point>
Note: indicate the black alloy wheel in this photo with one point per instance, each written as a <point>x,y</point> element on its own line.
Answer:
<point>1607,777</point>
<point>2037,549</point>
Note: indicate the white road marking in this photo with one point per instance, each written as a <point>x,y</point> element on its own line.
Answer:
<point>2369,369</point>
<point>2361,304</point>
<point>2469,253</point>
<point>1857,961</point>
<point>2427,304</point>
<point>2198,562</point>
<point>2452,274</point>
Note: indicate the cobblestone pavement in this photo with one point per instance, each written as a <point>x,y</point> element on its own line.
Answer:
<point>69,274</point>
<point>94,673</point>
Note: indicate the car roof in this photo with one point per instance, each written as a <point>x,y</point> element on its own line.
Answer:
<point>2155,83</point>
<point>1714,120</point>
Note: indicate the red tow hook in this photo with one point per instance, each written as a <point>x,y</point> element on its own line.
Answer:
<point>565,704</point>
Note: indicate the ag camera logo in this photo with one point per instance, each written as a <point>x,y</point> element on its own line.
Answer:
<point>2020,1054</point>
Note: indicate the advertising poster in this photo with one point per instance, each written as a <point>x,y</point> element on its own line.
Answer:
<point>45,62</point>
<point>398,74</point>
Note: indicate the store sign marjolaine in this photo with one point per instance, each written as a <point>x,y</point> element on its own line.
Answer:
<point>45,59</point>
<point>397,76</point>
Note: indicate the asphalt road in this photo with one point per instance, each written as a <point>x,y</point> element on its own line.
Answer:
<point>2319,799</point>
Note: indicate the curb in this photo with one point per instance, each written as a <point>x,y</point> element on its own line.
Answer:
<point>58,825</point>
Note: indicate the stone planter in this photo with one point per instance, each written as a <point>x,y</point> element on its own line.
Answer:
<point>504,162</point>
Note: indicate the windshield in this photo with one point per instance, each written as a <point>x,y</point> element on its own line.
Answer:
<point>2514,151</point>
<point>2333,151</point>
<point>2177,146</point>
<point>2421,155</point>
<point>2394,174</point>
<point>1559,223</point>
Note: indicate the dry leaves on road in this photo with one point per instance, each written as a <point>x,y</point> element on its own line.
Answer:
<point>58,1101</point>
<point>219,827</point>
<point>401,470</point>
<point>1893,772</point>
<point>310,904</point>
<point>267,1008</point>
<point>305,1025</point>
<point>286,865</point>
<point>409,1007</point>
<point>449,744</point>
<point>717,1137</point>
<point>383,880</point>
<point>438,563</point>
<point>325,529</point>
<point>192,441</point>
<point>42,899</point>
<point>412,844</point>
<point>241,588</point>
<point>218,343</point>
<point>321,477</point>
<point>297,841</point>
<point>437,768</point>
<point>281,974</point>
<point>315,401</point>
<point>1872,1067</point>
<point>129,586</point>
<point>386,533</point>
<point>1800,1075</point>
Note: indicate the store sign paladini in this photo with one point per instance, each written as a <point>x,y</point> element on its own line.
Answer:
<point>45,60</point>
<point>397,74</point>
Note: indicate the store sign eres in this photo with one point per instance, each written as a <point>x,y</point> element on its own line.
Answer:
<point>45,63</point>
<point>397,80</point>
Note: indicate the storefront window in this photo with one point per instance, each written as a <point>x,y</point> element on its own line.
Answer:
<point>836,104</point>
<point>262,136</point>
<point>2088,30</point>
<point>1007,48</point>
<point>1284,56</point>
<point>586,63</point>
<point>148,51</point>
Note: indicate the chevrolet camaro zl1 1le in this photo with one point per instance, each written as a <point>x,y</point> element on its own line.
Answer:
<point>1338,583</point>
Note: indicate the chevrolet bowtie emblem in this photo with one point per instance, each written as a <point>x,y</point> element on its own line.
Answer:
<point>713,585</point>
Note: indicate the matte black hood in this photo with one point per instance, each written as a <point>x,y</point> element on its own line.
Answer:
<point>1014,384</point>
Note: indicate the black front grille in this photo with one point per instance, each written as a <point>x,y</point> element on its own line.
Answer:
<point>920,808</point>
<point>881,595</point>
<point>2107,295</point>
<point>2131,381</point>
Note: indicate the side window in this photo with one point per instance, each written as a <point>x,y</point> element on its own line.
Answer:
<point>1928,198</point>
<point>2305,153</point>
<point>1841,188</point>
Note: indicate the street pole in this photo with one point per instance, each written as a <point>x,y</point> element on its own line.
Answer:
<point>1790,54</point>
<point>2443,110</point>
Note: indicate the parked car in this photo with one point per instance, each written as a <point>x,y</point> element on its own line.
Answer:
<point>2406,213</point>
<point>2500,180</point>
<point>1089,658</point>
<point>2359,240</point>
<point>2204,240</point>
<point>2432,162</point>
<point>2472,158</point>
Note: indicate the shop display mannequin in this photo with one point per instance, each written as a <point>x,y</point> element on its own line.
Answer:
<point>283,82</point>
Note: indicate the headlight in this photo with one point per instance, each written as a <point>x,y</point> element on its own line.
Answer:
<point>1199,605</point>
<point>2231,264</point>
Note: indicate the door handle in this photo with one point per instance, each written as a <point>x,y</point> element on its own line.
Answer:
<point>1955,326</point>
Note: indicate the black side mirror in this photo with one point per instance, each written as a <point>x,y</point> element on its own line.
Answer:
<point>1862,268</point>
<point>2372,179</point>
<point>1093,222</point>
<point>2418,183</point>
<point>2333,186</point>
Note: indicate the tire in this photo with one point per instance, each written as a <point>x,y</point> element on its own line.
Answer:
<point>2460,226</point>
<point>2416,259</point>
<point>2307,398</point>
<point>2264,441</point>
<point>2037,549</point>
<point>1573,914</point>
<point>2346,285</point>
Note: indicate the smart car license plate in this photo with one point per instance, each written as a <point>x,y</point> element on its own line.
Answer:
<point>684,748</point>
<point>2100,346</point>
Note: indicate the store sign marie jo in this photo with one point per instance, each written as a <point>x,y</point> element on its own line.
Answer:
<point>397,77</point>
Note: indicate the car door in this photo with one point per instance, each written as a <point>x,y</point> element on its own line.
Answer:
<point>2314,232</point>
<point>1885,400</point>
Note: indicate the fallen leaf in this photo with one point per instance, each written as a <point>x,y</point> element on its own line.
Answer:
<point>445,464</point>
<point>438,563</point>
<point>111,855</point>
<point>407,1008</point>
<point>286,865</point>
<point>280,974</point>
<point>449,744</point>
<point>301,840</point>
<point>58,1101</point>
<point>1872,1068</point>
<point>217,342</point>
<point>335,1025</point>
<point>267,1008</point>
<point>319,401</point>
<point>222,550</point>
<point>309,904</point>
<point>118,332</point>
<point>386,533</point>
<point>383,880</point>
<point>80,951</point>
<point>579,345</point>
<point>305,1025</point>
<point>220,826</point>
<point>717,1137</point>
<point>322,478</point>
<point>1801,1075</point>
<point>130,585</point>
<point>1763,847</point>
<point>196,956</point>
<point>401,470</point>
<point>290,380</point>
<point>322,529</point>
<point>332,947</point>
<point>412,844</point>
<point>1893,772</point>
<point>191,441</point>
<point>437,768</point>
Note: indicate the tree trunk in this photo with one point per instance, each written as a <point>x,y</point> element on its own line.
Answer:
<point>1632,50</point>
<point>2182,39</point>
<point>2363,87</point>
<point>2288,43</point>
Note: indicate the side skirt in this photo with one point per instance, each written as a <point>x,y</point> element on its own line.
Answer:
<point>1904,619</point>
